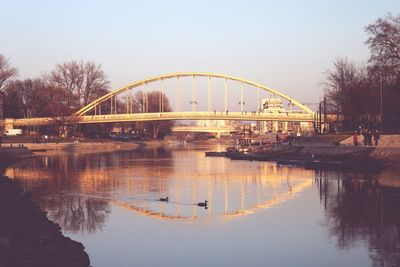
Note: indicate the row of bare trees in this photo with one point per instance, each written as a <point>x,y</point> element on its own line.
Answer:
<point>64,90</point>
<point>368,94</point>
<point>67,88</point>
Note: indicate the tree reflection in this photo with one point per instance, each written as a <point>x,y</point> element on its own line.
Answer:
<point>358,210</point>
<point>77,214</point>
<point>76,188</point>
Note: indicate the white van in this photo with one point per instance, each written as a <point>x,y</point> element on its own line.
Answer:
<point>13,132</point>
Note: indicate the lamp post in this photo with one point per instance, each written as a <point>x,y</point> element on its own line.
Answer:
<point>381,87</point>
<point>320,117</point>
<point>325,115</point>
<point>242,104</point>
<point>193,103</point>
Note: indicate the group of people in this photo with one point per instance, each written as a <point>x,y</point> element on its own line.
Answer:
<point>368,134</point>
<point>290,138</point>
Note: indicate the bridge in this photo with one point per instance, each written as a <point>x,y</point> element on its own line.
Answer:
<point>215,109</point>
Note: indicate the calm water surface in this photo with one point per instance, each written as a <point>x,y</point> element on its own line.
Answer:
<point>259,214</point>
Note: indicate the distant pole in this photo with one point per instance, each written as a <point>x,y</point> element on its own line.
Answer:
<point>381,102</point>
<point>178,91</point>
<point>146,107</point>
<point>147,102</point>
<point>115,104</point>
<point>143,101</point>
<point>127,104</point>
<point>131,102</point>
<point>325,113</point>
<point>193,102</point>
<point>159,101</point>
<point>320,117</point>
<point>209,93</point>
<point>162,95</point>
<point>241,97</point>
<point>226,95</point>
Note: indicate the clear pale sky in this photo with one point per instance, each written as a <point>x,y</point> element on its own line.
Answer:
<point>286,45</point>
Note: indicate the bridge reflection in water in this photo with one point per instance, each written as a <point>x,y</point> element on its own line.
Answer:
<point>84,185</point>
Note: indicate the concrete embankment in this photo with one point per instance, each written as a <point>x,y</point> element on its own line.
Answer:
<point>27,236</point>
<point>387,150</point>
<point>331,151</point>
<point>341,148</point>
<point>387,140</point>
<point>387,156</point>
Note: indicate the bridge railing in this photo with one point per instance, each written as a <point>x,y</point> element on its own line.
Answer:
<point>199,115</point>
<point>217,115</point>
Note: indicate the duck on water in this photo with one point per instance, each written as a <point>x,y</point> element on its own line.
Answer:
<point>200,204</point>
<point>203,204</point>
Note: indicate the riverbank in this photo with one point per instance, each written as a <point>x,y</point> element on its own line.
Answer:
<point>328,152</point>
<point>77,146</point>
<point>27,236</point>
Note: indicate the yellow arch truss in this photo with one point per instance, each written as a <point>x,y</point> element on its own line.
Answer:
<point>130,86</point>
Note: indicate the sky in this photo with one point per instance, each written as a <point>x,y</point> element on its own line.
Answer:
<point>285,45</point>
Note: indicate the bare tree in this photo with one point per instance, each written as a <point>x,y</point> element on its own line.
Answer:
<point>6,71</point>
<point>384,43</point>
<point>384,66</point>
<point>338,81</point>
<point>156,129</point>
<point>35,98</point>
<point>95,83</point>
<point>350,93</point>
<point>82,82</point>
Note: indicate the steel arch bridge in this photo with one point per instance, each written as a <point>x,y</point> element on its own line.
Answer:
<point>91,113</point>
<point>178,75</point>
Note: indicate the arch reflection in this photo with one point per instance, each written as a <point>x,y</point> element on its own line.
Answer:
<point>78,190</point>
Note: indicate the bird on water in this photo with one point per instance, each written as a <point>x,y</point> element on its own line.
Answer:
<point>164,199</point>
<point>202,204</point>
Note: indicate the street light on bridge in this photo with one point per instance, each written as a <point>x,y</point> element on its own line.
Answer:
<point>242,103</point>
<point>193,103</point>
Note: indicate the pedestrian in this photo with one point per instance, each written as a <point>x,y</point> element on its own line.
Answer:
<point>370,137</point>
<point>364,133</point>
<point>298,135</point>
<point>377,136</point>
<point>278,139</point>
<point>355,138</point>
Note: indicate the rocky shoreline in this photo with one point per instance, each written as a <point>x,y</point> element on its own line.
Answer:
<point>27,236</point>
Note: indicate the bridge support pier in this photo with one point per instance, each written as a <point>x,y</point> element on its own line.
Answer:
<point>9,124</point>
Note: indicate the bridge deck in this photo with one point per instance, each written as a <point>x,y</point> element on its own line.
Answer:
<point>89,119</point>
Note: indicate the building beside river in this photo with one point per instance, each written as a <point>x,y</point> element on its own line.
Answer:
<point>275,106</point>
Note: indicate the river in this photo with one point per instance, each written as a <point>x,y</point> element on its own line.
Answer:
<point>258,213</point>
